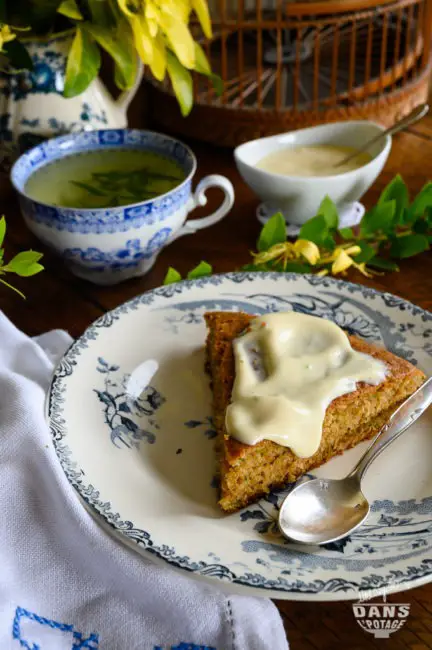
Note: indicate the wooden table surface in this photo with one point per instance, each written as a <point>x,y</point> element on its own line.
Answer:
<point>56,299</point>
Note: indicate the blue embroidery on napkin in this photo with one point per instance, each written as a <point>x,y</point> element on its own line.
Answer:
<point>78,639</point>
<point>92,642</point>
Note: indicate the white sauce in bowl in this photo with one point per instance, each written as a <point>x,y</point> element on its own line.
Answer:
<point>319,160</point>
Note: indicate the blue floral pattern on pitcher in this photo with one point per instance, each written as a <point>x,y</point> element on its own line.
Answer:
<point>35,103</point>
<point>46,77</point>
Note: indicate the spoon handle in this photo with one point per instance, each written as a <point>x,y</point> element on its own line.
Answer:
<point>416,114</point>
<point>419,111</point>
<point>402,418</point>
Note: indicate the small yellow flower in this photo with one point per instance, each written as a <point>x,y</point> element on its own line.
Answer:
<point>308,250</point>
<point>288,251</point>
<point>278,250</point>
<point>201,9</point>
<point>342,261</point>
<point>6,35</point>
<point>352,250</point>
<point>367,272</point>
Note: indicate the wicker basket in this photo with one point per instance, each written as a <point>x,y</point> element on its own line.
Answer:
<point>288,65</point>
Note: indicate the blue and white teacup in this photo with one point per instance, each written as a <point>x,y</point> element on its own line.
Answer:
<point>109,245</point>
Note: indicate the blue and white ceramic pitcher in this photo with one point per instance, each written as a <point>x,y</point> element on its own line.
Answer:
<point>32,105</point>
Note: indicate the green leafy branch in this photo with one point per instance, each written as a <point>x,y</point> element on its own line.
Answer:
<point>394,229</point>
<point>199,271</point>
<point>23,264</point>
<point>160,34</point>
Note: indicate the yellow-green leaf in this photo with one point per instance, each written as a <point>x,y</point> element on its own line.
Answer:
<point>421,203</point>
<point>120,81</point>
<point>143,40</point>
<point>129,8</point>
<point>118,47</point>
<point>178,9</point>
<point>295,267</point>
<point>346,233</point>
<point>329,211</point>
<point>172,275</point>
<point>201,9</point>
<point>409,246</point>
<point>380,218</point>
<point>200,271</point>
<point>70,9</point>
<point>24,264</point>
<point>396,191</point>
<point>2,230</point>
<point>31,269</point>
<point>317,230</point>
<point>179,39</point>
<point>100,13</point>
<point>314,229</point>
<point>151,49</point>
<point>366,252</point>
<point>181,82</point>
<point>383,264</point>
<point>159,64</point>
<point>201,62</point>
<point>273,232</point>
<point>202,66</point>
<point>152,16</point>
<point>82,65</point>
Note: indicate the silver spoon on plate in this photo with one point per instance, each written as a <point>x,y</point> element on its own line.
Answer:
<point>321,511</point>
<point>417,114</point>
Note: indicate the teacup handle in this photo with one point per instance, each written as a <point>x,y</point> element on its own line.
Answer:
<point>199,199</point>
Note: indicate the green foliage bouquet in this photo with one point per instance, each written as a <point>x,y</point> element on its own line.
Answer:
<point>157,32</point>
<point>23,264</point>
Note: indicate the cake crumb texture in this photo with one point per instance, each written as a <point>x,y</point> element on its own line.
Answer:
<point>247,472</point>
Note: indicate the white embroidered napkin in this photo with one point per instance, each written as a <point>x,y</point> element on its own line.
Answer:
<point>64,584</point>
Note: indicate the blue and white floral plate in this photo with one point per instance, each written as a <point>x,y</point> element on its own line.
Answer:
<point>141,452</point>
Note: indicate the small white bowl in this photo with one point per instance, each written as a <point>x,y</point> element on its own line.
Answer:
<point>298,197</point>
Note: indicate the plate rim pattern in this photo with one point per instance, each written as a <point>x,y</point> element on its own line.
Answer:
<point>333,589</point>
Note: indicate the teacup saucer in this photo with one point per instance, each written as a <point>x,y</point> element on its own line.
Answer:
<point>350,215</point>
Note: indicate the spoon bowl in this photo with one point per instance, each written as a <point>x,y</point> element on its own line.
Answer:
<point>323,510</point>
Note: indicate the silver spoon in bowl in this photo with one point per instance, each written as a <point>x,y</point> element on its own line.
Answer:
<point>321,511</point>
<point>419,111</point>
